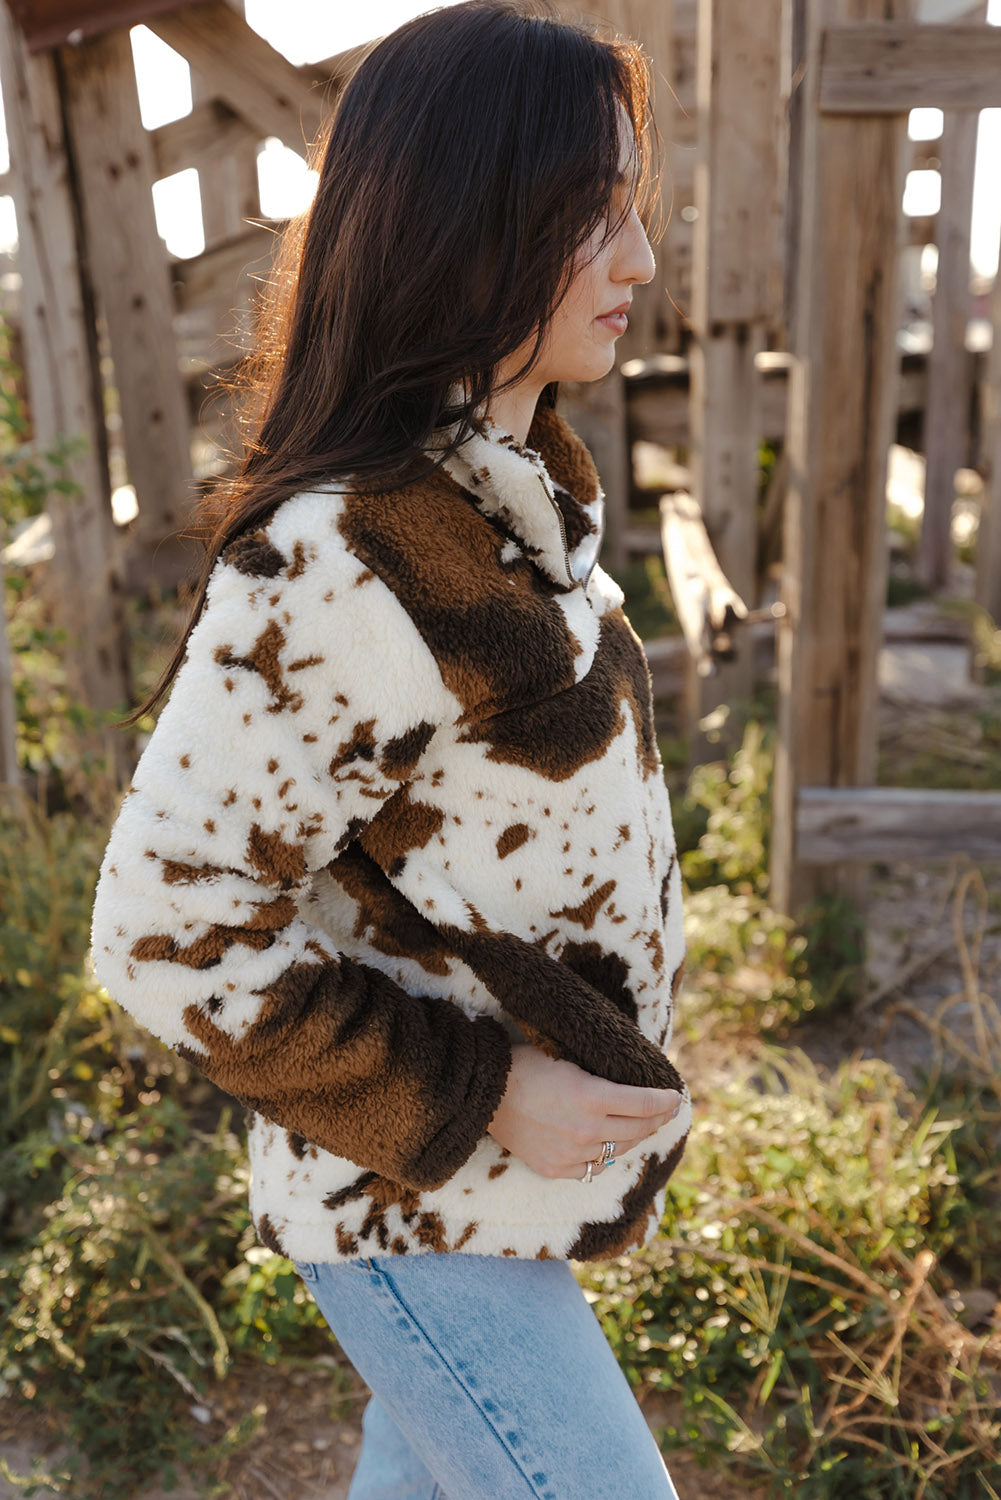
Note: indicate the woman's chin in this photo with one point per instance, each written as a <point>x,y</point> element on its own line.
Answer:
<point>593,367</point>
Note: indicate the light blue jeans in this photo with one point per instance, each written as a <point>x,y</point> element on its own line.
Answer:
<point>491,1380</point>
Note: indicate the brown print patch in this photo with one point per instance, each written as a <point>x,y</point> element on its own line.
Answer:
<point>360,745</point>
<point>254,555</point>
<point>298,564</point>
<point>268,1235</point>
<point>258,934</point>
<point>278,861</point>
<point>264,658</point>
<point>665,888</point>
<point>512,838</point>
<point>580,1023</point>
<point>599,1240</point>
<point>561,732</point>
<point>586,912</point>
<point>175,872</point>
<point>347,1243</point>
<point>299,1146</point>
<point>495,645</point>
<point>607,972</point>
<point>401,825</point>
<point>400,756</point>
<point>676,979</point>
<point>385,918</point>
<point>339,1055</point>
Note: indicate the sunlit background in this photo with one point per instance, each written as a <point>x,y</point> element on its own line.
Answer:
<point>306,32</point>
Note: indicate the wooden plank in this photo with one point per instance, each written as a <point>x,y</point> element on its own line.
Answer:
<point>726,428</point>
<point>707,606</point>
<point>737,198</point>
<point>659,405</point>
<point>859,824</point>
<point>736,298</point>
<point>216,272</point>
<point>888,67</point>
<point>212,128</point>
<point>197,139</point>
<point>241,68</point>
<point>988,580</point>
<point>59,349</point>
<point>227,180</point>
<point>113,165</point>
<point>47,23</point>
<point>842,407</point>
<point>215,295</point>
<point>597,412</point>
<point>946,420</point>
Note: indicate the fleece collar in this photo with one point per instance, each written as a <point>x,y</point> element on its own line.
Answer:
<point>546,492</point>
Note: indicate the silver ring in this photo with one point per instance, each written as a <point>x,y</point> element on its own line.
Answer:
<point>587,1175</point>
<point>607,1157</point>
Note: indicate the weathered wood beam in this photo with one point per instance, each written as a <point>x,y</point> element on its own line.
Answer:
<point>707,605</point>
<point>227,181</point>
<point>842,407</point>
<point>241,68</point>
<point>859,824</point>
<point>659,408</point>
<point>212,128</point>
<point>216,271</point>
<point>197,139</point>
<point>64,391</point>
<point>736,300</point>
<point>887,67</point>
<point>988,580</point>
<point>112,165</point>
<point>947,414</point>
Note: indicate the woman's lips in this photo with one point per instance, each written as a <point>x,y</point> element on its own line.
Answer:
<point>615,322</point>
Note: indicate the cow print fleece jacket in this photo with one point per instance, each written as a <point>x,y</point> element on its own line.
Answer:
<point>403,808</point>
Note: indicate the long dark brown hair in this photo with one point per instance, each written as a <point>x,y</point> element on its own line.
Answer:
<point>472,154</point>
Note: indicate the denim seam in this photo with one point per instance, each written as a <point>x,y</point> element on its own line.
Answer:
<point>394,1291</point>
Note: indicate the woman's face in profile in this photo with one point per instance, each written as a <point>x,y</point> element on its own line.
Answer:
<point>580,342</point>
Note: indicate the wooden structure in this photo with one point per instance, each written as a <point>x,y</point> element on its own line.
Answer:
<point>861,65</point>
<point>782,121</point>
<point>736,298</point>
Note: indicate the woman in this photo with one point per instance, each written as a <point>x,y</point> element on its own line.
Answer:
<point>397,867</point>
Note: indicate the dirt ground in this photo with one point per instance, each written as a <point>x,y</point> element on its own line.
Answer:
<point>304,1450</point>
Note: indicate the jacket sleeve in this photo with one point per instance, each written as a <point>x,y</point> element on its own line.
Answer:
<point>303,704</point>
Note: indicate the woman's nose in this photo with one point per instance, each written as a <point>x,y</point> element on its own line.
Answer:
<point>634,260</point>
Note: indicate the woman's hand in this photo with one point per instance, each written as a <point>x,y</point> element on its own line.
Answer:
<point>554,1116</point>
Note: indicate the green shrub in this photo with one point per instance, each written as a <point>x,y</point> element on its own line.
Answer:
<point>722,821</point>
<point>123,1311</point>
<point>746,970</point>
<point>788,1300</point>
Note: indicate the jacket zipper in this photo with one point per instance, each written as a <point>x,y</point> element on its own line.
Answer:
<point>563,531</point>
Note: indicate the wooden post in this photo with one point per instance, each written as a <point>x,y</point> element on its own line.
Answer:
<point>10,774</point>
<point>734,298</point>
<point>112,162</point>
<point>946,422</point>
<point>60,358</point>
<point>988,585</point>
<point>841,414</point>
<point>240,67</point>
<point>599,411</point>
<point>227,181</point>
